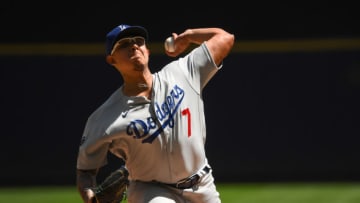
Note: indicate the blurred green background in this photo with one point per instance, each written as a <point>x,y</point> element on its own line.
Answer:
<point>230,193</point>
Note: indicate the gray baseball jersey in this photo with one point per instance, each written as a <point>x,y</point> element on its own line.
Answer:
<point>161,139</point>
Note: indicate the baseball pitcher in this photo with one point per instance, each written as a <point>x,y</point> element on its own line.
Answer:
<point>155,121</point>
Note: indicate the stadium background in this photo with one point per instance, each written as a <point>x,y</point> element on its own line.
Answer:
<point>285,107</point>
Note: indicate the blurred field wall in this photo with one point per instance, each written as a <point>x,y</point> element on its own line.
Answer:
<point>272,116</point>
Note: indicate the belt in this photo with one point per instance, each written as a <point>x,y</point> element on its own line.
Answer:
<point>191,181</point>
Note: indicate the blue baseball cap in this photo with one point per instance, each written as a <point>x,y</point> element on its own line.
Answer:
<point>122,31</point>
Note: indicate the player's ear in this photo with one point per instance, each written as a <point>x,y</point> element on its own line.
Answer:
<point>110,59</point>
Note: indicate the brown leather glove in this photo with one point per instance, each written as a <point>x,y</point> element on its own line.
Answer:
<point>113,188</point>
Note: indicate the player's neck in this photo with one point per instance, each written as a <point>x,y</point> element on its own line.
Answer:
<point>142,88</point>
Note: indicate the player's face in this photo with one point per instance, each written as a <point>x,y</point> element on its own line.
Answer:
<point>130,54</point>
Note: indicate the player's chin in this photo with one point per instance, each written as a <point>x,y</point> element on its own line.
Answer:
<point>138,62</point>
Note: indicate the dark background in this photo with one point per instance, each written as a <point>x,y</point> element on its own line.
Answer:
<point>272,116</point>
<point>88,22</point>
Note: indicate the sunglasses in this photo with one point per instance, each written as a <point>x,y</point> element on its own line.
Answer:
<point>126,42</point>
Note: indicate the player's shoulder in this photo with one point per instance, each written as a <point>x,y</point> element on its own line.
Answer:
<point>111,104</point>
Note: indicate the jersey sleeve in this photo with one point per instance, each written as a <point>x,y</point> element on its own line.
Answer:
<point>199,67</point>
<point>95,142</point>
<point>93,148</point>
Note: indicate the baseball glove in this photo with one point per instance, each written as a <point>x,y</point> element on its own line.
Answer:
<point>113,188</point>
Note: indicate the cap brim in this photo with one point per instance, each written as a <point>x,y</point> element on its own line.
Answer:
<point>133,31</point>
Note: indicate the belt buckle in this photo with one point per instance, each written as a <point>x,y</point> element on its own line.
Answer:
<point>189,182</point>
<point>192,181</point>
<point>181,183</point>
<point>177,185</point>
